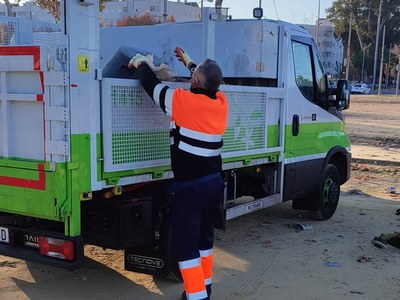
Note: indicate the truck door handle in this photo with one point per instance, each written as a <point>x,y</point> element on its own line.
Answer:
<point>295,125</point>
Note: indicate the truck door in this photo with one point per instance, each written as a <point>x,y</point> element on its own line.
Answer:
<point>33,132</point>
<point>309,122</point>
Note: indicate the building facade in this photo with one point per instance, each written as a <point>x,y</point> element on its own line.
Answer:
<point>181,11</point>
<point>331,48</point>
<point>30,11</point>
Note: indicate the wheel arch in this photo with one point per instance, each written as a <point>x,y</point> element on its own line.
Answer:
<point>341,158</point>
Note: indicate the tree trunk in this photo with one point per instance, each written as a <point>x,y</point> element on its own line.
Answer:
<point>218,6</point>
<point>369,18</point>
<point>359,38</point>
<point>9,8</point>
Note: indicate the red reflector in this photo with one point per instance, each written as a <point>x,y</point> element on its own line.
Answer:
<point>58,248</point>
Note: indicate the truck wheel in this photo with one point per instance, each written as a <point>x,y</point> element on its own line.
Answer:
<point>172,268</point>
<point>173,273</point>
<point>328,194</point>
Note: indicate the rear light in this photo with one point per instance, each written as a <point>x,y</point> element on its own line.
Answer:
<point>58,248</point>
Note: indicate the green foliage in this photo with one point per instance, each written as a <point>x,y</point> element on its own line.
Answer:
<point>364,26</point>
<point>146,19</point>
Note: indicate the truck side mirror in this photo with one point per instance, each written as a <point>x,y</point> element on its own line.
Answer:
<point>342,94</point>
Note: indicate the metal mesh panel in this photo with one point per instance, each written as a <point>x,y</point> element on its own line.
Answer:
<point>46,33</point>
<point>139,136</point>
<point>137,132</point>
<point>7,32</point>
<point>247,123</point>
<point>14,31</point>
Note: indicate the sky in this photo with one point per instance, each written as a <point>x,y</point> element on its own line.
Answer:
<point>294,11</point>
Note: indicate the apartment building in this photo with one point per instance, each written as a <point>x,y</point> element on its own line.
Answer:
<point>30,11</point>
<point>329,46</point>
<point>182,11</point>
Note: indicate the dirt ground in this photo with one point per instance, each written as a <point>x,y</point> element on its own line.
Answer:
<point>261,256</point>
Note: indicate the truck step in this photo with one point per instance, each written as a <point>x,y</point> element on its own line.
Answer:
<point>237,210</point>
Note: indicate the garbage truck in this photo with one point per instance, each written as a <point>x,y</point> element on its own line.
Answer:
<point>84,152</point>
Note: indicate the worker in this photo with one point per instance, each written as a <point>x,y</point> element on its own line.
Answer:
<point>199,118</point>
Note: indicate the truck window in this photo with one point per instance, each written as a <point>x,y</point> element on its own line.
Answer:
<point>303,69</point>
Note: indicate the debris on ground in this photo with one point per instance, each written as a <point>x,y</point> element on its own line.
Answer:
<point>364,259</point>
<point>300,226</point>
<point>333,264</point>
<point>355,192</point>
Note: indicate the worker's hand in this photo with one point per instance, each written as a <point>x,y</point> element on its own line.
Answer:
<point>138,59</point>
<point>183,56</point>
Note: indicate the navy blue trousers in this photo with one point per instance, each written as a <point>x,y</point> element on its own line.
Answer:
<point>194,206</point>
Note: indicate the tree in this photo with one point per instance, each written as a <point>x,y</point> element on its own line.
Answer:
<point>53,6</point>
<point>145,19</point>
<point>365,16</point>
<point>10,5</point>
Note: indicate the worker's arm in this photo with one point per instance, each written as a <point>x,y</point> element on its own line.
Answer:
<point>154,87</point>
<point>157,90</point>
<point>185,59</point>
<point>151,84</point>
<point>148,79</point>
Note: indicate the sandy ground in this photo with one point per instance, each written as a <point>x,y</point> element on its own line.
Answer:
<point>261,256</point>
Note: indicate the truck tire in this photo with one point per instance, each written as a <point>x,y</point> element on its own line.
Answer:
<point>328,194</point>
<point>172,271</point>
<point>172,268</point>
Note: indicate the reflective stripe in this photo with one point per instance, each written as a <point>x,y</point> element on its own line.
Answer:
<point>207,258</point>
<point>172,126</point>
<point>157,91</point>
<point>187,264</point>
<point>206,137</point>
<point>197,296</point>
<point>199,151</point>
<point>193,278</point>
<point>205,253</point>
<point>168,101</point>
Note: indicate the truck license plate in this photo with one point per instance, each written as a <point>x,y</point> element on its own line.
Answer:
<point>4,235</point>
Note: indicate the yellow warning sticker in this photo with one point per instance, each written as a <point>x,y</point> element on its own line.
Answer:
<point>83,63</point>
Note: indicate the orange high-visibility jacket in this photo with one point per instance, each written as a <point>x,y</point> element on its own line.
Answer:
<point>197,125</point>
<point>198,121</point>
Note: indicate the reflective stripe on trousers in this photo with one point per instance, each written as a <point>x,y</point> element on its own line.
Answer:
<point>207,259</point>
<point>193,278</point>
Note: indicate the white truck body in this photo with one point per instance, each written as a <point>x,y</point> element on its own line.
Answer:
<point>77,128</point>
